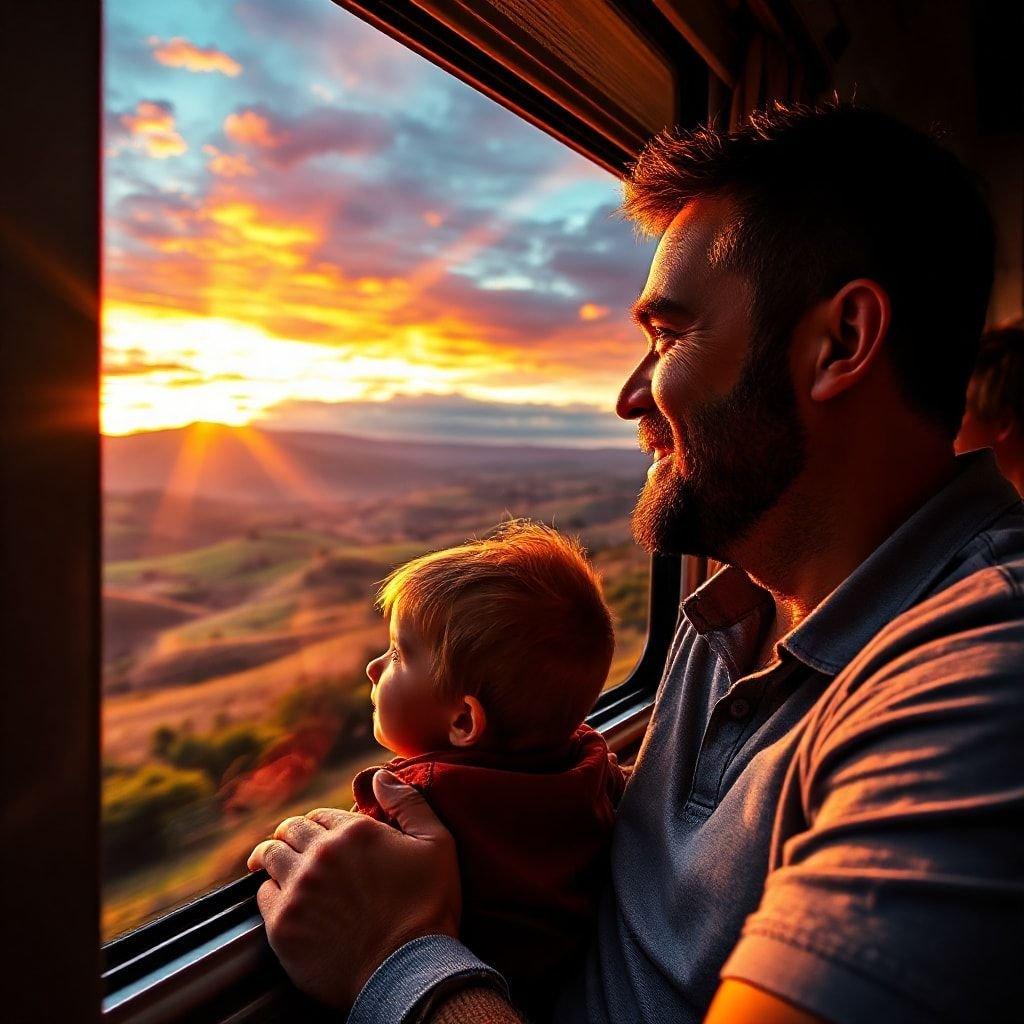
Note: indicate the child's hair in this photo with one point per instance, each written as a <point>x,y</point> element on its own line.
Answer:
<point>516,619</point>
<point>996,389</point>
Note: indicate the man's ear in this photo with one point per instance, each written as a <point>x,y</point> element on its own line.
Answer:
<point>856,325</point>
<point>468,723</point>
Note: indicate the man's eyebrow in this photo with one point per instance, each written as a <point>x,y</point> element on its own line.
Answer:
<point>643,311</point>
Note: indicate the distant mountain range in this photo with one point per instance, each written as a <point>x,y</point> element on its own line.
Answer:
<point>248,464</point>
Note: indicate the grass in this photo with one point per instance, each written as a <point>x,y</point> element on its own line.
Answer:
<point>628,648</point>
<point>254,617</point>
<point>253,560</point>
<point>393,554</point>
<point>130,718</point>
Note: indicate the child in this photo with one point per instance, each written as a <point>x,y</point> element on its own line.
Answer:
<point>498,649</point>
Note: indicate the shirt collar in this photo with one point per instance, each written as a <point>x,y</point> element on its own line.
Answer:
<point>885,584</point>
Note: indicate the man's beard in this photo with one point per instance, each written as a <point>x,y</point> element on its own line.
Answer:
<point>741,452</point>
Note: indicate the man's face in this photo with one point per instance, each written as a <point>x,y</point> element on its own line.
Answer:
<point>715,405</point>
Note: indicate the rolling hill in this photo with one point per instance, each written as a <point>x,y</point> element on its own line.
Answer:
<point>214,462</point>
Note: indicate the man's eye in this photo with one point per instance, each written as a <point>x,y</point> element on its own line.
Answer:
<point>662,340</point>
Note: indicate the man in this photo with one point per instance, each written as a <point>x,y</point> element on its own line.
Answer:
<point>995,402</point>
<point>823,819</point>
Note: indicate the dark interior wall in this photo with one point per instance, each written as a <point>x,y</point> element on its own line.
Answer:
<point>950,65</point>
<point>49,511</point>
<point>998,28</point>
<point>1000,162</point>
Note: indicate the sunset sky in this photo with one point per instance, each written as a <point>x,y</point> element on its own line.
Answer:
<point>310,227</point>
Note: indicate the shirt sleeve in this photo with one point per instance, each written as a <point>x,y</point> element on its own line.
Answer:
<point>416,976</point>
<point>901,896</point>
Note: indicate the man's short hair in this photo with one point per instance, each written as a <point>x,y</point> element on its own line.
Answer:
<point>830,193</point>
<point>996,391</point>
<point>517,619</point>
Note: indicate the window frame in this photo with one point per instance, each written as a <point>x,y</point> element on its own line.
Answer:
<point>208,959</point>
<point>431,38</point>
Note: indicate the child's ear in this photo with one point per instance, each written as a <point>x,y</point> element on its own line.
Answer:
<point>1004,430</point>
<point>468,723</point>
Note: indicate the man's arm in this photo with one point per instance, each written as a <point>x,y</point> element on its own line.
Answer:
<point>902,897</point>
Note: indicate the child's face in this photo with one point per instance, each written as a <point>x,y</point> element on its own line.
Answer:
<point>408,715</point>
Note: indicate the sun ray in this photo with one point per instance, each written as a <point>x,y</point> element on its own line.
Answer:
<point>49,267</point>
<point>183,482</point>
<point>280,467</point>
<point>493,229</point>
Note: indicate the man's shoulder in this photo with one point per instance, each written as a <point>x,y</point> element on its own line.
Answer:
<point>959,647</point>
<point>983,583</point>
<point>998,549</point>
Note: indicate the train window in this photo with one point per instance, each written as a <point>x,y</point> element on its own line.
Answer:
<point>353,310</point>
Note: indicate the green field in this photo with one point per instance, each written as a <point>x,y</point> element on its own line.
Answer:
<point>252,560</point>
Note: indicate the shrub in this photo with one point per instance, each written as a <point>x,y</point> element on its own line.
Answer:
<point>221,753</point>
<point>339,703</point>
<point>628,597</point>
<point>141,808</point>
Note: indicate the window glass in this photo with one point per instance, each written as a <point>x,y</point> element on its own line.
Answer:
<point>353,311</point>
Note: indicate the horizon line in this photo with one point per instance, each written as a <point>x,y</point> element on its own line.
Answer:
<point>586,443</point>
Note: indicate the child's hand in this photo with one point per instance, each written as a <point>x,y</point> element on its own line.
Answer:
<point>346,891</point>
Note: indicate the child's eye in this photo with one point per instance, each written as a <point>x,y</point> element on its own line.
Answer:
<point>394,654</point>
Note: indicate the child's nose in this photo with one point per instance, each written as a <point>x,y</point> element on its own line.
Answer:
<point>373,669</point>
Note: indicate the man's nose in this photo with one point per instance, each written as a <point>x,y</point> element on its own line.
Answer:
<point>635,397</point>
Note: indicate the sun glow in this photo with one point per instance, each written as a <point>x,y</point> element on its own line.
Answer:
<point>269,275</point>
<point>166,369</point>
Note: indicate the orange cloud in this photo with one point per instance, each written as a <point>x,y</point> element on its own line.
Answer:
<point>228,165</point>
<point>433,218</point>
<point>592,311</point>
<point>242,259</point>
<point>261,316</point>
<point>289,140</point>
<point>230,242</point>
<point>153,128</point>
<point>180,53</point>
<point>251,128</point>
<point>163,146</point>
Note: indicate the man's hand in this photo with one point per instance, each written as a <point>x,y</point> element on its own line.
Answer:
<point>345,891</point>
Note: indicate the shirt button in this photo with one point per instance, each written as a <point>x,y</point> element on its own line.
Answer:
<point>739,709</point>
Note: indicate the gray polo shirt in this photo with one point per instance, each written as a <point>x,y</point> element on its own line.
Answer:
<point>842,828</point>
